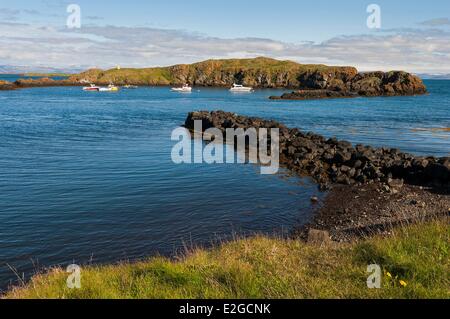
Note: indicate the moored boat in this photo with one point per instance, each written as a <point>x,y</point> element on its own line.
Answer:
<point>240,88</point>
<point>109,88</point>
<point>95,88</point>
<point>92,88</point>
<point>184,89</point>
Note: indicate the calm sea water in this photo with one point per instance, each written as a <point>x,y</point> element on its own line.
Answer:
<point>88,176</point>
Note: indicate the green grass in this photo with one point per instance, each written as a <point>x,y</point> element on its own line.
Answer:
<point>261,267</point>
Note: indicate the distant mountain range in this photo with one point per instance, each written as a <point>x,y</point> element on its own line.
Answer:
<point>434,76</point>
<point>14,69</point>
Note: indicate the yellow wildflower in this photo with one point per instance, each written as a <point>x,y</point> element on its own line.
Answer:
<point>403,283</point>
<point>389,274</point>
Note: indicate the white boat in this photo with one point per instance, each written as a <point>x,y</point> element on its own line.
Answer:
<point>240,88</point>
<point>109,88</point>
<point>130,86</point>
<point>92,87</point>
<point>184,89</point>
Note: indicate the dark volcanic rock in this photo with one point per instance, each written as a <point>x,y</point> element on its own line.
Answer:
<point>388,84</point>
<point>363,84</point>
<point>314,94</point>
<point>331,161</point>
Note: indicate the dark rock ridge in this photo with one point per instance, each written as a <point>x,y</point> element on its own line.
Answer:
<point>314,94</point>
<point>31,83</point>
<point>330,161</point>
<point>363,84</point>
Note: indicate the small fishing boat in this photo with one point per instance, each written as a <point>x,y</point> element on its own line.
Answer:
<point>240,88</point>
<point>130,86</point>
<point>184,89</point>
<point>109,88</point>
<point>92,88</point>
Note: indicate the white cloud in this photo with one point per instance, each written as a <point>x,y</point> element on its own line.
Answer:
<point>415,50</point>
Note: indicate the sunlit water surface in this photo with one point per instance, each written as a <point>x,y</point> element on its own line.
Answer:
<point>88,177</point>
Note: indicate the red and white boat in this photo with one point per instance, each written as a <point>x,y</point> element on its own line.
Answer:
<point>92,87</point>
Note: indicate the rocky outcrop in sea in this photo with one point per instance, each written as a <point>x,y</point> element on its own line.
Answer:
<point>321,85</point>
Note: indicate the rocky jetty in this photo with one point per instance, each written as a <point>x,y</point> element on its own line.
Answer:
<point>370,190</point>
<point>363,84</point>
<point>330,161</point>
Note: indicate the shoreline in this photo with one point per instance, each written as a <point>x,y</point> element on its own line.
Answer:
<point>246,267</point>
<point>350,213</point>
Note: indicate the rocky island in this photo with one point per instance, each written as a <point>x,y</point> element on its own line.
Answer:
<point>310,80</point>
<point>323,85</point>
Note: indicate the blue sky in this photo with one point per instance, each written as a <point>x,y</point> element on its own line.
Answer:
<point>287,20</point>
<point>306,31</point>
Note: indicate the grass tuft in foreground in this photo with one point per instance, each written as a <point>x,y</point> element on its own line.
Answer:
<point>415,262</point>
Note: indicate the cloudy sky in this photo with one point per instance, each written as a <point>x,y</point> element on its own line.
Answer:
<point>414,35</point>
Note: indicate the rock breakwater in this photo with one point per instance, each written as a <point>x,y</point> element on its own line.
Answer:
<point>331,161</point>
